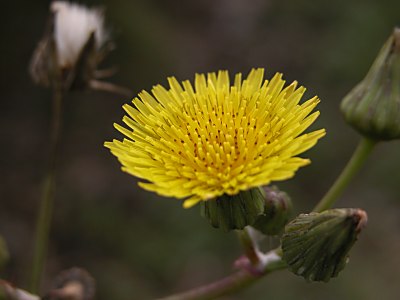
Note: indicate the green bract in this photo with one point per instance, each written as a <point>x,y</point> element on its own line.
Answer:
<point>234,212</point>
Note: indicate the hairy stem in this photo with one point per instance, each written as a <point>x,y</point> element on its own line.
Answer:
<point>46,203</point>
<point>357,160</point>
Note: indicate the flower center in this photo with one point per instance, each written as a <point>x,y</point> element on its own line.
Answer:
<point>224,141</point>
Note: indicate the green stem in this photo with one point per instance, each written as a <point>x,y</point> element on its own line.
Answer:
<point>229,284</point>
<point>46,204</point>
<point>249,246</point>
<point>360,155</point>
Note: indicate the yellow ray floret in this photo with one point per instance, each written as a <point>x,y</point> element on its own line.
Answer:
<point>198,143</point>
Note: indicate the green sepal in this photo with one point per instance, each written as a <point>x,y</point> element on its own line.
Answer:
<point>234,212</point>
<point>316,245</point>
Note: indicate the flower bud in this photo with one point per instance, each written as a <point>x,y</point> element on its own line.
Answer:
<point>373,106</point>
<point>234,212</point>
<point>316,245</point>
<point>74,283</point>
<point>277,210</point>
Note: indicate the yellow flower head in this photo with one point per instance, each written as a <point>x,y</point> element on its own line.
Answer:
<point>216,138</point>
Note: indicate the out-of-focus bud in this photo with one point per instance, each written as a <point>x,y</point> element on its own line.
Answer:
<point>74,43</point>
<point>373,106</point>
<point>73,284</point>
<point>316,245</point>
<point>234,212</point>
<point>4,256</point>
<point>277,211</point>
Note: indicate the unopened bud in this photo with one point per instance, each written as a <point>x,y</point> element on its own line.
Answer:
<point>234,212</point>
<point>373,106</point>
<point>316,245</point>
<point>73,284</point>
<point>277,211</point>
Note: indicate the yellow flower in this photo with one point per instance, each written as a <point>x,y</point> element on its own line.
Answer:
<point>214,139</point>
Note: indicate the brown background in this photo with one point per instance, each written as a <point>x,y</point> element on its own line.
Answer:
<point>140,246</point>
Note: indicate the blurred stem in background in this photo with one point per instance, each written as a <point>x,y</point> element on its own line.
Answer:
<point>4,254</point>
<point>357,160</point>
<point>46,204</point>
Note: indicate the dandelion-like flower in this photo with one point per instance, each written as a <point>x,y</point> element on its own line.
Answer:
<point>216,139</point>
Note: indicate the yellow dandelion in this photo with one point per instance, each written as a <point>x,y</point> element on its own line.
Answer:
<point>216,139</point>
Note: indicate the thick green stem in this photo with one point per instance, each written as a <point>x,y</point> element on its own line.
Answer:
<point>360,155</point>
<point>46,203</point>
<point>229,284</point>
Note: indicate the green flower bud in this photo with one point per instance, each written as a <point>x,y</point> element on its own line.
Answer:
<point>316,245</point>
<point>234,212</point>
<point>277,211</point>
<point>373,106</point>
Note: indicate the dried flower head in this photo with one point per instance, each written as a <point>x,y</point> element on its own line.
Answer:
<point>74,44</point>
<point>73,26</point>
<point>216,138</point>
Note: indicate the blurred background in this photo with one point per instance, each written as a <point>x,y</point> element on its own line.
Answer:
<point>141,246</point>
